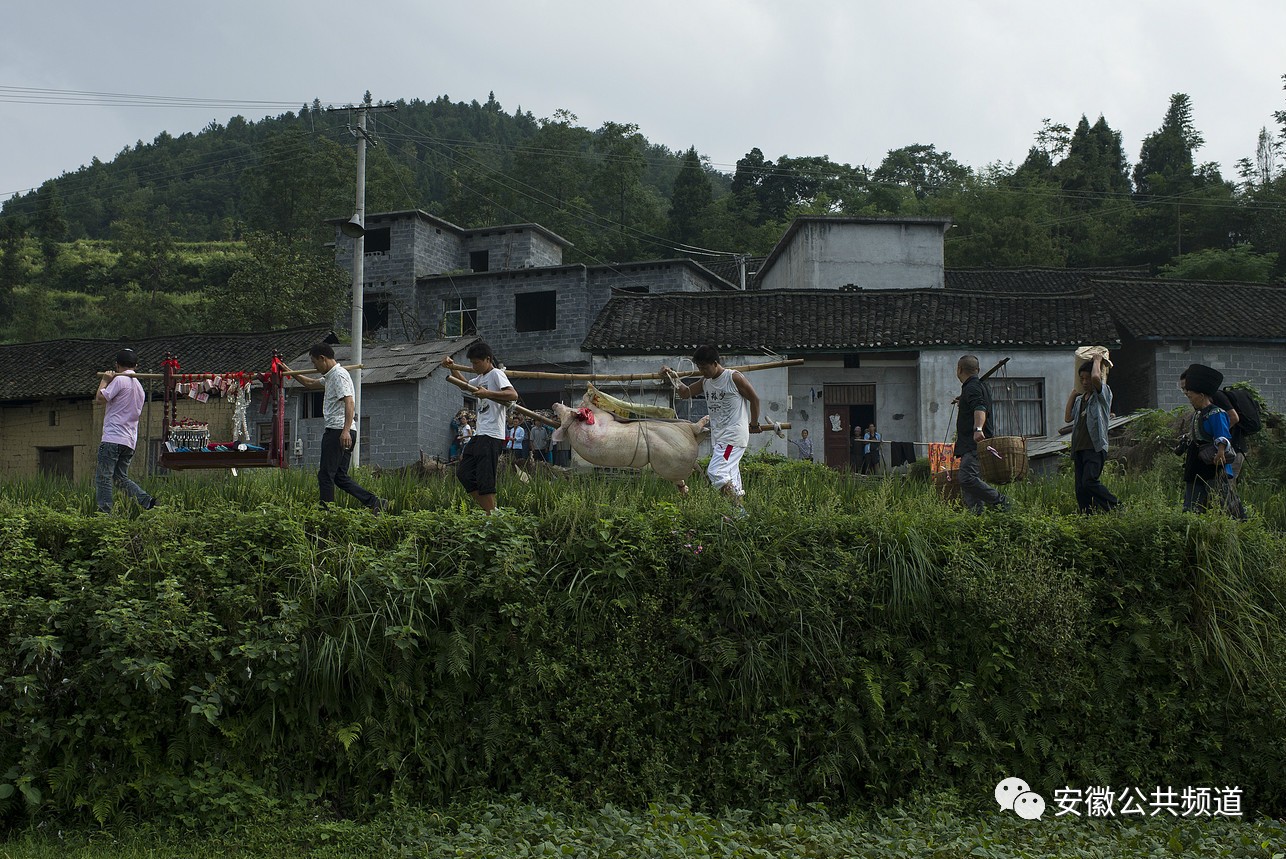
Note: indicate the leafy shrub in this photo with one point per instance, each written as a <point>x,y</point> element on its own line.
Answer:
<point>853,642</point>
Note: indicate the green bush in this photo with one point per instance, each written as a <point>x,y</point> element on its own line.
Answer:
<point>601,641</point>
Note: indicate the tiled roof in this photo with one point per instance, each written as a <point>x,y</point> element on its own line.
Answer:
<point>394,362</point>
<point>1034,281</point>
<point>835,320</point>
<point>67,368</point>
<point>1195,310</point>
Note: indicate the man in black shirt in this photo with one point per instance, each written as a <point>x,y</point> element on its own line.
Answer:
<point>971,430</point>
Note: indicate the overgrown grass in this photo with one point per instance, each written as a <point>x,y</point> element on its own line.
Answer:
<point>603,640</point>
<point>938,826</point>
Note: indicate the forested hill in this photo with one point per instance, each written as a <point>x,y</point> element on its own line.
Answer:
<point>468,162</point>
<point>177,231</point>
<point>1076,200</point>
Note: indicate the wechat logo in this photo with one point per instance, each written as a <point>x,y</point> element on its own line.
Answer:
<point>1014,794</point>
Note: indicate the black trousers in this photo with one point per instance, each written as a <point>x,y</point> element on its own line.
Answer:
<point>334,470</point>
<point>1091,495</point>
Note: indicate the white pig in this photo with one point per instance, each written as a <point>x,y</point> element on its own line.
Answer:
<point>670,447</point>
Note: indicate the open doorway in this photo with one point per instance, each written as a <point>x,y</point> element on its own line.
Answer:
<point>846,407</point>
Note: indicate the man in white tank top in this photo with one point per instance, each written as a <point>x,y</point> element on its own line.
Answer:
<point>734,415</point>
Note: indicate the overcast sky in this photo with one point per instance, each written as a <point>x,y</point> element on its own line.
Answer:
<point>850,80</point>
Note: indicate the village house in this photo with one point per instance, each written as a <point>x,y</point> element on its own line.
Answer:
<point>406,407</point>
<point>866,302</point>
<point>51,423</point>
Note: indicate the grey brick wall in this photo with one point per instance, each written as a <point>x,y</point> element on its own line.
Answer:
<point>495,291</point>
<point>399,421</point>
<point>1261,365</point>
<point>416,247</point>
<point>511,248</point>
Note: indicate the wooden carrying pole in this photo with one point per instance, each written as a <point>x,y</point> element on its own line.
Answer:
<point>536,416</point>
<point>212,375</point>
<point>621,377</point>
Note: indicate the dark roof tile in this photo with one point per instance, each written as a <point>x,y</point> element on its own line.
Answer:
<point>67,368</point>
<point>1195,310</point>
<point>831,320</point>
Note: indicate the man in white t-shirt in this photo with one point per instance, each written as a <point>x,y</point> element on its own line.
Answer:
<point>478,461</point>
<point>338,436</point>
<point>124,397</point>
<point>734,415</point>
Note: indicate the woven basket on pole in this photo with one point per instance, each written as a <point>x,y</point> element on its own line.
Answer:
<point>1003,459</point>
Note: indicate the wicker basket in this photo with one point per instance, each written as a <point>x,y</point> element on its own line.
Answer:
<point>1007,463</point>
<point>948,484</point>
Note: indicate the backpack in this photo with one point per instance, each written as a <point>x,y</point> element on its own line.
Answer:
<point>1247,412</point>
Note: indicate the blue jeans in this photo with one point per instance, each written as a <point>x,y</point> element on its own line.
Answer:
<point>113,467</point>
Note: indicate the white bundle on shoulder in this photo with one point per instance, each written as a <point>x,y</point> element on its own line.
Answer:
<point>1089,353</point>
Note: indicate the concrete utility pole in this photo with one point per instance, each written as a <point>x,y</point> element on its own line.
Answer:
<point>356,229</point>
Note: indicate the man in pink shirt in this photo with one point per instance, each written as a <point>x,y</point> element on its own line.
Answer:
<point>124,398</point>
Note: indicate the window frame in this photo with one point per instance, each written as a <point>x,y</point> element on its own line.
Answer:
<point>463,312</point>
<point>1009,407</point>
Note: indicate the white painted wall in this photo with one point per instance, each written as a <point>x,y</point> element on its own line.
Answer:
<point>825,255</point>
<point>939,383</point>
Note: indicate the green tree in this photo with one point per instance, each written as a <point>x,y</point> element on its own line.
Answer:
<point>922,169</point>
<point>1183,207</point>
<point>298,181</point>
<point>285,280</point>
<point>690,201</point>
<point>618,191</point>
<point>50,225</point>
<point>1166,164</point>
<point>1240,264</point>
<point>12,232</point>
<point>1002,220</point>
<point>148,265</point>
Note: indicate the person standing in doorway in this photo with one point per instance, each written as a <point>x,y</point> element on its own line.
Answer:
<point>338,436</point>
<point>971,430</point>
<point>1088,413</point>
<point>871,451</point>
<point>856,446</point>
<point>124,398</point>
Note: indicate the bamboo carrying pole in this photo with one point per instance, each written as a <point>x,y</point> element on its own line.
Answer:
<point>620,377</point>
<point>536,416</point>
<point>463,385</point>
<point>212,375</point>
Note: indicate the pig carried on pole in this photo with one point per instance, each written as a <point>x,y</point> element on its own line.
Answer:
<point>600,438</point>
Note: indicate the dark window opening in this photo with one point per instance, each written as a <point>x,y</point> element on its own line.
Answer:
<point>536,311</point>
<point>56,461</point>
<point>378,241</point>
<point>312,405</point>
<point>374,313</point>
<point>480,260</point>
<point>852,360</point>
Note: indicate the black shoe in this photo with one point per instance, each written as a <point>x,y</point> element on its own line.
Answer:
<point>151,502</point>
<point>378,506</point>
